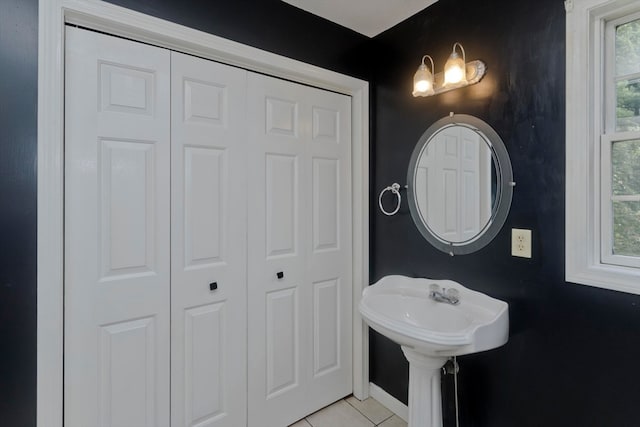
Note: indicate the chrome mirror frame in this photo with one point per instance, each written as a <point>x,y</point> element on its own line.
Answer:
<point>504,187</point>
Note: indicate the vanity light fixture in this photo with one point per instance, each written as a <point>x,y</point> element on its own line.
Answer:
<point>457,73</point>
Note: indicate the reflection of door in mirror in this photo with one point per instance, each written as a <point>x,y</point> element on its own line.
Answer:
<point>453,184</point>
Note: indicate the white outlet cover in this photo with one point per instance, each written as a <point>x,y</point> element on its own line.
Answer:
<point>521,243</point>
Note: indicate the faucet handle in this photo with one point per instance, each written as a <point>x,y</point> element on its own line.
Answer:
<point>453,295</point>
<point>434,287</point>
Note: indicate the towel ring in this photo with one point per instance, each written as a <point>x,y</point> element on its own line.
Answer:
<point>395,189</point>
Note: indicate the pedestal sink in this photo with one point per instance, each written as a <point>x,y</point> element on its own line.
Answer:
<point>432,320</point>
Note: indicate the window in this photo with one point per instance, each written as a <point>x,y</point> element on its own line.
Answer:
<point>603,144</point>
<point>620,144</point>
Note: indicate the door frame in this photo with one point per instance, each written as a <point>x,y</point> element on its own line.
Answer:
<point>109,18</point>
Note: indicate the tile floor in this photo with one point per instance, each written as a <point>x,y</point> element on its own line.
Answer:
<point>351,412</point>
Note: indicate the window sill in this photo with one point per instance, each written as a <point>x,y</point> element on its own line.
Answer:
<point>615,278</point>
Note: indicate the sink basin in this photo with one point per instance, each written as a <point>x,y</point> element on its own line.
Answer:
<point>431,331</point>
<point>399,307</point>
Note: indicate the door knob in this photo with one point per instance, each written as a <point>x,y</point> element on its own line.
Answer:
<point>280,274</point>
<point>213,286</point>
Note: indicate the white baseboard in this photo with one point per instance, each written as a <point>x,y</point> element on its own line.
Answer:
<point>390,402</point>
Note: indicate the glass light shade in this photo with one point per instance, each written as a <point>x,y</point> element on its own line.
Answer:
<point>455,71</point>
<point>423,82</point>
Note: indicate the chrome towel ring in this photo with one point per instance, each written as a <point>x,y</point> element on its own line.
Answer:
<point>395,189</point>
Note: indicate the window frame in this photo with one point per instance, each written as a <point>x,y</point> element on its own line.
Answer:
<point>587,147</point>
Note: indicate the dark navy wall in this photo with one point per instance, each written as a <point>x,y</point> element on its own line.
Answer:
<point>18,112</point>
<point>271,25</point>
<point>268,24</point>
<point>573,352</point>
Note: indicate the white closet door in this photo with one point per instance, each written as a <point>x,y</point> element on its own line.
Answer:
<point>208,241</point>
<point>116,232</point>
<point>299,250</point>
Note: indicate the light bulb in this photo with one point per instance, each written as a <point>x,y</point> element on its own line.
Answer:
<point>423,86</point>
<point>453,75</point>
<point>455,70</point>
<point>423,81</point>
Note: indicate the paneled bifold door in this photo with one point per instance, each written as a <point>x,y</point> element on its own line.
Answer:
<point>173,164</point>
<point>208,243</point>
<point>117,232</point>
<point>299,250</point>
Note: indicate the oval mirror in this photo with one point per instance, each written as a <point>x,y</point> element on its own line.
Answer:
<point>460,184</point>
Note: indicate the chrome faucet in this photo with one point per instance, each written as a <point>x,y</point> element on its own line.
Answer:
<point>438,294</point>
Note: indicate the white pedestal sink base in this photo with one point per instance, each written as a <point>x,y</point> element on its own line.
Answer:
<point>425,398</point>
<point>404,310</point>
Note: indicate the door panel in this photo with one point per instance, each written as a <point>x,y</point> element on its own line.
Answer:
<point>126,181</point>
<point>127,366</point>
<point>326,326</point>
<point>326,204</point>
<point>282,209</point>
<point>299,250</point>
<point>208,241</point>
<point>116,232</point>
<point>470,145</point>
<point>282,341</point>
<point>204,210</point>
<point>204,370</point>
<point>281,117</point>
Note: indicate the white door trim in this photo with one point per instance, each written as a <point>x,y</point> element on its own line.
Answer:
<point>53,14</point>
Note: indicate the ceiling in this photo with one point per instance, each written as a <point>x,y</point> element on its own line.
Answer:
<point>368,17</point>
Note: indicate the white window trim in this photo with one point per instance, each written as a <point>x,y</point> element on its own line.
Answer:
<point>584,125</point>
<point>53,14</point>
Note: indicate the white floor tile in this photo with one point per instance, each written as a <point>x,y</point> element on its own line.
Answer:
<point>340,414</point>
<point>301,423</point>
<point>394,421</point>
<point>371,409</point>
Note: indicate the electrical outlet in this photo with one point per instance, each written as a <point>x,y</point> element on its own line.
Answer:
<point>521,243</point>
